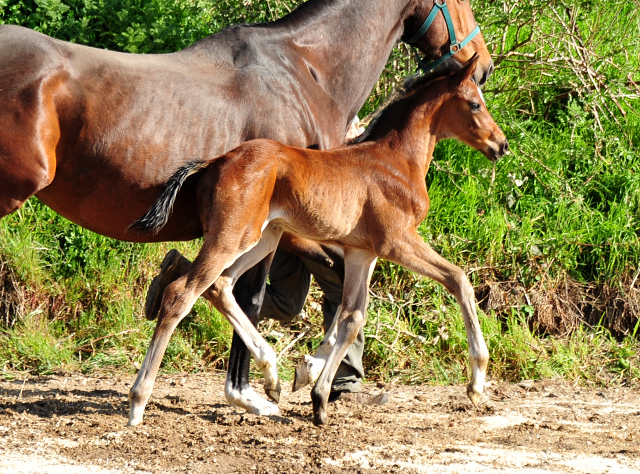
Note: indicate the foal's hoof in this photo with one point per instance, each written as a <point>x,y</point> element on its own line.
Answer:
<point>274,393</point>
<point>319,411</point>
<point>136,411</point>
<point>474,396</point>
<point>159,283</point>
<point>307,371</point>
<point>320,418</point>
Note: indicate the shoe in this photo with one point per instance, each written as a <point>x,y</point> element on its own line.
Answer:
<point>159,283</point>
<point>360,397</point>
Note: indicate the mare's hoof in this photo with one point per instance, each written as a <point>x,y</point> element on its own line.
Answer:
<point>302,378</point>
<point>153,301</point>
<point>474,396</point>
<point>274,393</point>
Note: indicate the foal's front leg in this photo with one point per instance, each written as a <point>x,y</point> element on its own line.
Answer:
<point>412,252</point>
<point>359,266</point>
<point>310,367</point>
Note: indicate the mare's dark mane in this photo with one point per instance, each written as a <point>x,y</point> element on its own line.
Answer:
<point>308,9</point>
<point>408,87</point>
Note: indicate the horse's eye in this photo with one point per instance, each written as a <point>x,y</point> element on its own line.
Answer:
<point>475,106</point>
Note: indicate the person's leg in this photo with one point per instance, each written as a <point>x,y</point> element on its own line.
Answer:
<point>288,286</point>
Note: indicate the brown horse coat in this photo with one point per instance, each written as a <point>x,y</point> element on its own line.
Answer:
<point>366,199</point>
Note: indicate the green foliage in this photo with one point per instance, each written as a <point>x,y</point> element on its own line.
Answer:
<point>152,26</point>
<point>563,205</point>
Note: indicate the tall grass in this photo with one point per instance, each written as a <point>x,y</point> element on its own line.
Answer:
<point>559,213</point>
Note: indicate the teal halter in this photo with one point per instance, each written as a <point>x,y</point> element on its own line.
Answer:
<point>454,46</point>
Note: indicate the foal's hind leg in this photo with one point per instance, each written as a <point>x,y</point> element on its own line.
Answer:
<point>177,301</point>
<point>412,252</point>
<point>249,294</point>
<point>225,302</point>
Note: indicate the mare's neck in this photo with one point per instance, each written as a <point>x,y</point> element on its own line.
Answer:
<point>346,44</point>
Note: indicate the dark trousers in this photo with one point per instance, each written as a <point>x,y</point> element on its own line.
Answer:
<point>289,280</point>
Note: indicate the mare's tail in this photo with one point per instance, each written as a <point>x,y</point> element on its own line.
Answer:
<point>158,215</point>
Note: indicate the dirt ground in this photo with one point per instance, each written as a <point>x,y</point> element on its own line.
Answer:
<point>75,424</point>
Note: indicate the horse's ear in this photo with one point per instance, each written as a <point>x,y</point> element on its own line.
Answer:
<point>466,71</point>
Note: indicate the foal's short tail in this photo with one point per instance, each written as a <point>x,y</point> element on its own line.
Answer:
<point>158,215</point>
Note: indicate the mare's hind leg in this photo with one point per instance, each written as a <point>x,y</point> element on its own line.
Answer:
<point>412,252</point>
<point>359,266</point>
<point>23,173</point>
<point>29,134</point>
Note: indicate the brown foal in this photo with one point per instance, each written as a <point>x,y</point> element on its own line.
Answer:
<point>365,200</point>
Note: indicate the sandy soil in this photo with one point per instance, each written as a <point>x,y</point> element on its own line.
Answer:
<point>75,424</point>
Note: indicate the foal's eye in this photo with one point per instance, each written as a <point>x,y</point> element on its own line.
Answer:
<point>475,106</point>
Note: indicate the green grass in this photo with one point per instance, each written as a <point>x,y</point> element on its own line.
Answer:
<point>559,213</point>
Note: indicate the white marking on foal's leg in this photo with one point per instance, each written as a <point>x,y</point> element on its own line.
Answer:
<point>310,368</point>
<point>249,400</point>
<point>478,352</point>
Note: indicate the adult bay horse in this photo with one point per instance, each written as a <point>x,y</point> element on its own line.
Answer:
<point>366,200</point>
<point>96,134</point>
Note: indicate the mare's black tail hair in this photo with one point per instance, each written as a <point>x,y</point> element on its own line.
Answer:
<point>158,215</point>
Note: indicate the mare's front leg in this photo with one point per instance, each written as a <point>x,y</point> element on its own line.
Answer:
<point>412,252</point>
<point>359,266</point>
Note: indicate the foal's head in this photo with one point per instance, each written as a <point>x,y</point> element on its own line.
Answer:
<point>464,115</point>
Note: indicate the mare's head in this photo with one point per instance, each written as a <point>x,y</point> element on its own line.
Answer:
<point>463,114</point>
<point>440,28</point>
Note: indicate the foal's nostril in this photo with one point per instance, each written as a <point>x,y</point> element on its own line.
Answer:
<point>505,147</point>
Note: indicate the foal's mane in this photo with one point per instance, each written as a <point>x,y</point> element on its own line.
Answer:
<point>408,87</point>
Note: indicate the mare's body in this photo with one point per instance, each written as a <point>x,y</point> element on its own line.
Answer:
<point>366,199</point>
<point>95,134</point>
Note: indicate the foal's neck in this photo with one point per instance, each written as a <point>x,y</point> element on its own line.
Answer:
<point>411,127</point>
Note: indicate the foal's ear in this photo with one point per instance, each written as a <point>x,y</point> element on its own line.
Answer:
<point>466,72</point>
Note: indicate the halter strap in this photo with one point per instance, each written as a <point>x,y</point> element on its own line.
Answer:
<point>454,45</point>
